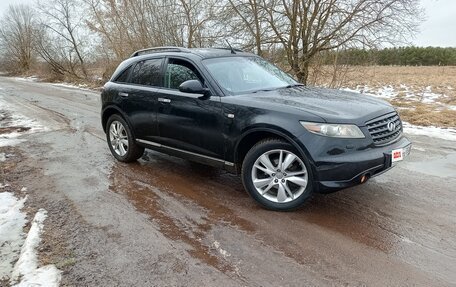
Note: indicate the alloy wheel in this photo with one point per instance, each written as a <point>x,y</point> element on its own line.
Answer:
<point>118,138</point>
<point>279,176</point>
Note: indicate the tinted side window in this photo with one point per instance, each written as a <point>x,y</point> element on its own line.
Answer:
<point>178,71</point>
<point>123,77</point>
<point>147,73</point>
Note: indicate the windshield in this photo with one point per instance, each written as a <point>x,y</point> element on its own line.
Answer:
<point>239,75</point>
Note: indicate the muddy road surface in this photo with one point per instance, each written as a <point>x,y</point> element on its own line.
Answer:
<point>164,221</point>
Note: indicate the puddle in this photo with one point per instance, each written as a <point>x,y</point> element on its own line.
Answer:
<point>442,166</point>
<point>182,204</point>
<point>219,198</point>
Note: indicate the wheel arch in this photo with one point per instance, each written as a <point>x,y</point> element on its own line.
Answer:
<point>252,136</point>
<point>108,112</point>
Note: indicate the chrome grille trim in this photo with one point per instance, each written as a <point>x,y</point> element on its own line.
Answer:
<point>378,128</point>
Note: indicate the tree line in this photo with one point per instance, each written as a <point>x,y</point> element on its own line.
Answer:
<point>397,56</point>
<point>76,38</point>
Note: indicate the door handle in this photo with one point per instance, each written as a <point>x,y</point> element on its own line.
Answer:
<point>163,100</point>
<point>122,94</point>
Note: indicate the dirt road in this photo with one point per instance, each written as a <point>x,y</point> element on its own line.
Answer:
<point>167,222</point>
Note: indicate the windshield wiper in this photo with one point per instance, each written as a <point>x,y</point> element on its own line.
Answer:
<point>264,90</point>
<point>294,85</point>
<point>278,88</point>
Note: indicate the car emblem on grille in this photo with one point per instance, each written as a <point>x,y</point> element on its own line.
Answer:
<point>391,126</point>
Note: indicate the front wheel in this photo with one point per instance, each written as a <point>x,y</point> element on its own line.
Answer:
<point>276,176</point>
<point>120,140</point>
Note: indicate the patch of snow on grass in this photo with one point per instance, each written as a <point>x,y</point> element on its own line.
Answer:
<point>26,268</point>
<point>2,157</point>
<point>12,220</point>
<point>434,132</point>
<point>428,97</point>
<point>425,96</point>
<point>83,87</point>
<point>387,92</point>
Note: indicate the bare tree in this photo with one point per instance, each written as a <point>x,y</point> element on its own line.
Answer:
<point>305,28</point>
<point>16,37</point>
<point>129,25</point>
<point>60,41</point>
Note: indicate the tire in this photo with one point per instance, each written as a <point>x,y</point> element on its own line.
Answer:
<point>280,187</point>
<point>121,141</point>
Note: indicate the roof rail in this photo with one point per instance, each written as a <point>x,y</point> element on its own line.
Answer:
<point>158,50</point>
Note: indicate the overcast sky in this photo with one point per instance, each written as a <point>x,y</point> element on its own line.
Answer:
<point>438,29</point>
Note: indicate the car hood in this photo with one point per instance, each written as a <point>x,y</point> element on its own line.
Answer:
<point>334,106</point>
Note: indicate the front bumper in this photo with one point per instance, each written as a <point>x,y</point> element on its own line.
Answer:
<point>341,163</point>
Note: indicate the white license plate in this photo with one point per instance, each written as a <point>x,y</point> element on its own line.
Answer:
<point>397,155</point>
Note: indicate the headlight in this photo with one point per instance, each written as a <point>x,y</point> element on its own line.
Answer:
<point>334,130</point>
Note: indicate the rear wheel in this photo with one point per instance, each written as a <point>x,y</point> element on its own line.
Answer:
<point>276,176</point>
<point>120,140</point>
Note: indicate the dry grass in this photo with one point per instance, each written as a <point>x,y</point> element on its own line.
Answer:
<point>424,115</point>
<point>441,80</point>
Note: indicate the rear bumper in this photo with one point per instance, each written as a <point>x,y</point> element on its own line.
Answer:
<point>346,167</point>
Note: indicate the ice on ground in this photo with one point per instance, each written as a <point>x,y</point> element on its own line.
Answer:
<point>12,117</point>
<point>2,157</point>
<point>26,268</point>
<point>12,221</point>
<point>434,132</point>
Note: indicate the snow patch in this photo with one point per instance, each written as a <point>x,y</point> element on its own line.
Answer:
<point>425,96</point>
<point>12,220</point>
<point>24,189</point>
<point>14,118</point>
<point>434,132</point>
<point>82,87</point>
<point>26,268</point>
<point>223,252</point>
<point>418,148</point>
<point>4,185</point>
<point>10,142</point>
<point>13,246</point>
<point>27,79</point>
<point>2,157</point>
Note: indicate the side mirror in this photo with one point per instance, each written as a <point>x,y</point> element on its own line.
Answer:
<point>194,87</point>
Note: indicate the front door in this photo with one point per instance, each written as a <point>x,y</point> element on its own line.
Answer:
<point>186,122</point>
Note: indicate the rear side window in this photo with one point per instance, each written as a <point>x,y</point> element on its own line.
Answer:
<point>147,73</point>
<point>123,77</point>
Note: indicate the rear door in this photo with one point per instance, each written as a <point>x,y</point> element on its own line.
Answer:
<point>140,100</point>
<point>184,121</point>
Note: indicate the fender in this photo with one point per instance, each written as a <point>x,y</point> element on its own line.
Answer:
<point>279,132</point>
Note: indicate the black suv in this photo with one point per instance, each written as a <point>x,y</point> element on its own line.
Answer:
<point>231,109</point>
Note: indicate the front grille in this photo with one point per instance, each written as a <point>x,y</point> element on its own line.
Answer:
<point>378,128</point>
